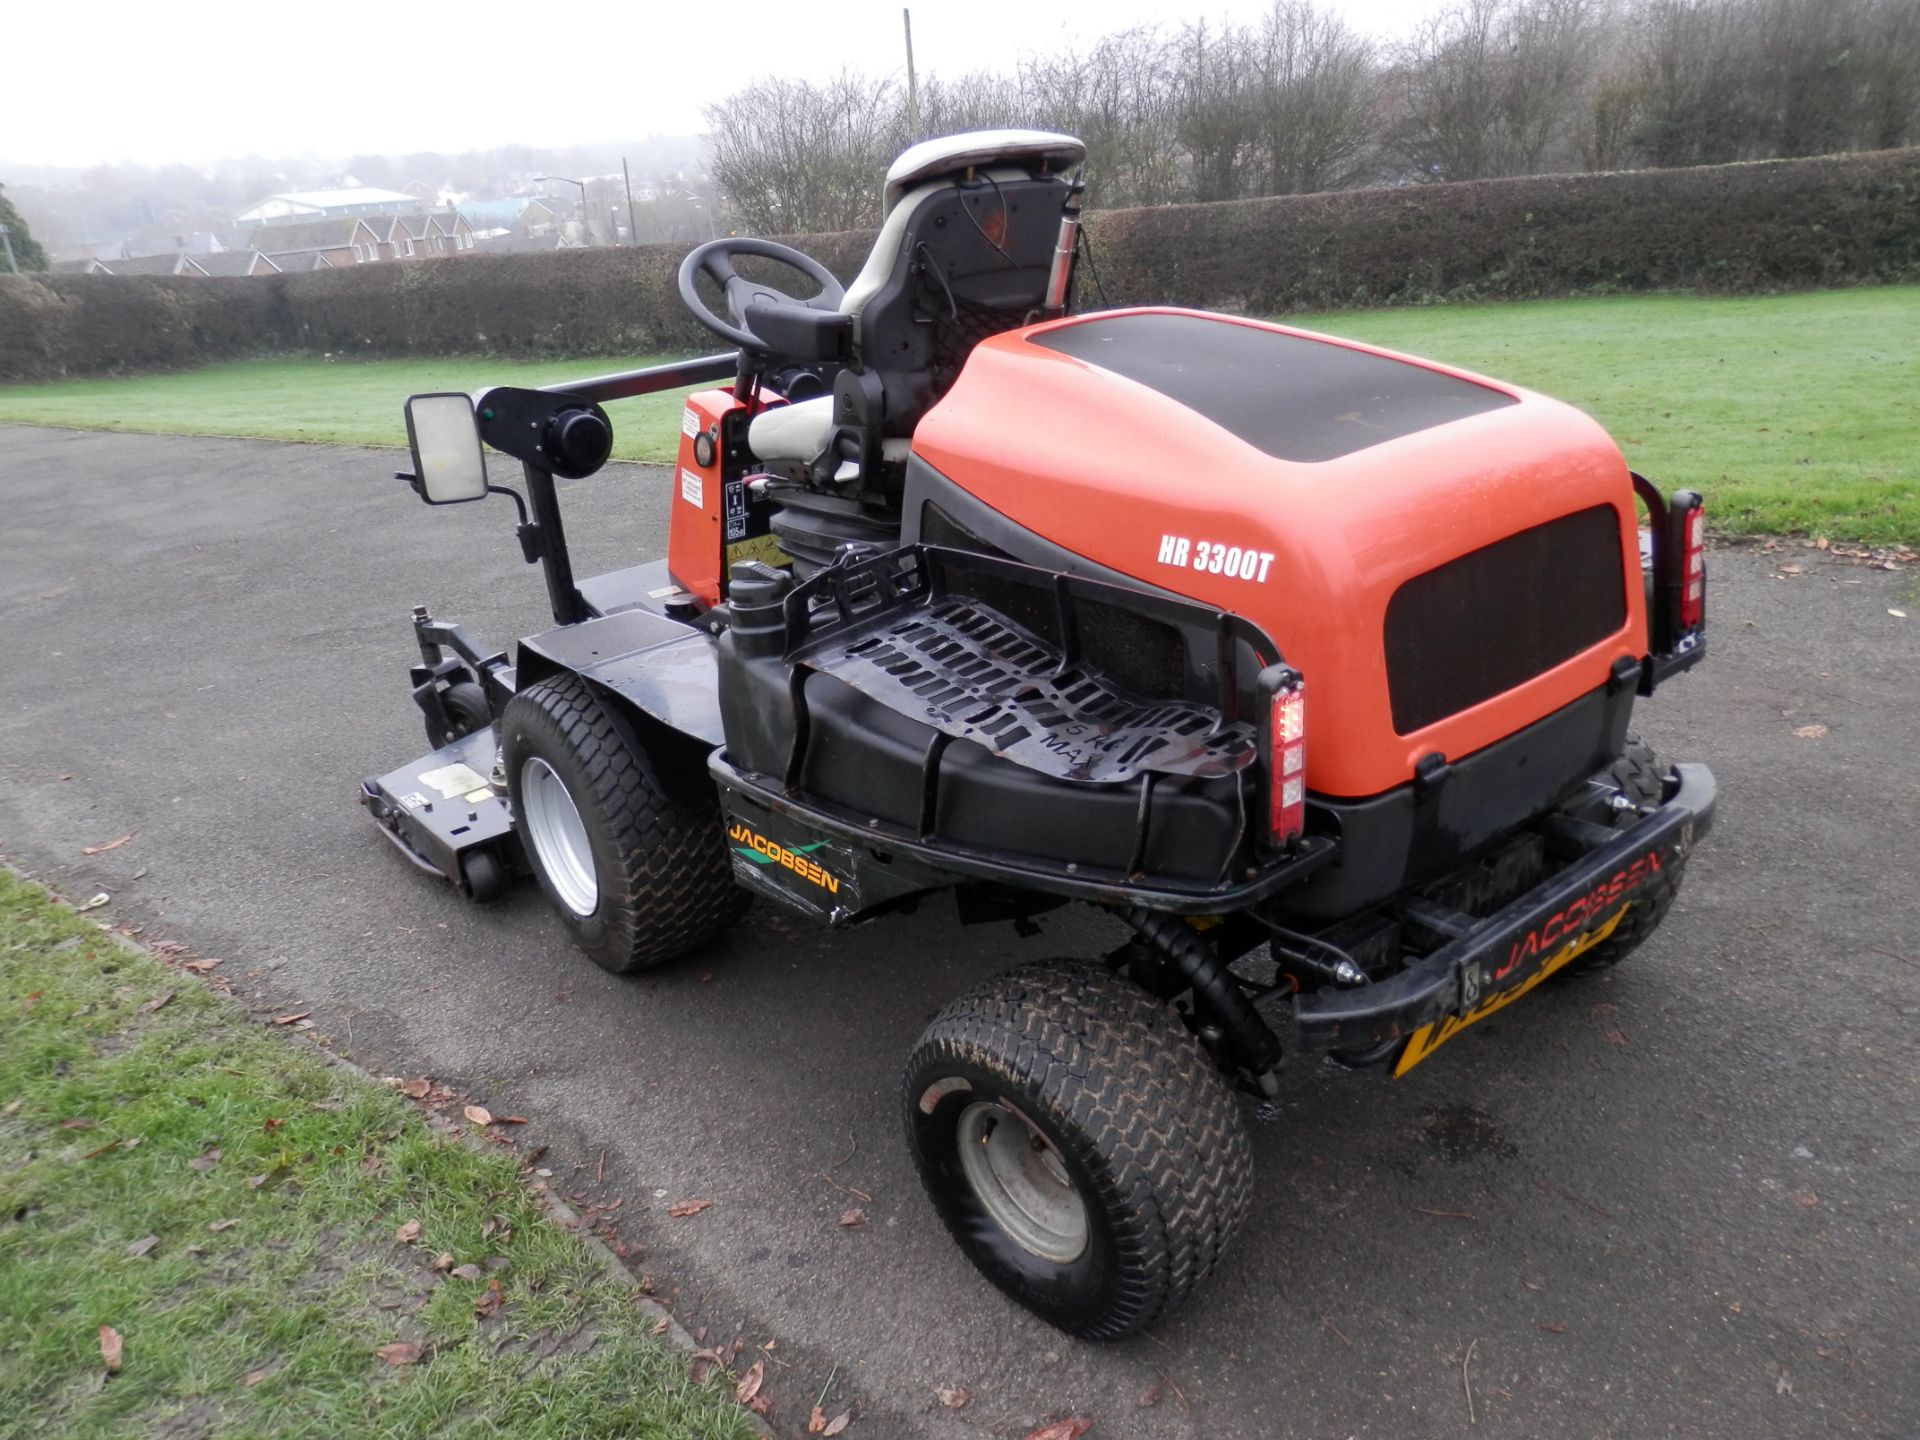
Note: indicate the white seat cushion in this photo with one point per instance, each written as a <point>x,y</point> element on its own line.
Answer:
<point>792,432</point>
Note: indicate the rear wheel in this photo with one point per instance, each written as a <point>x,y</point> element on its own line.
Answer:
<point>1637,776</point>
<point>1079,1144</point>
<point>627,848</point>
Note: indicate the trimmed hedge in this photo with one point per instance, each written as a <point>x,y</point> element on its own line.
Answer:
<point>1770,225</point>
<point>1767,226</point>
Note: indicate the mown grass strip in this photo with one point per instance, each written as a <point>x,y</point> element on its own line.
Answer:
<point>260,1190</point>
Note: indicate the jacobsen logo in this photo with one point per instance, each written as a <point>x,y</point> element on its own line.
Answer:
<point>1567,923</point>
<point>762,851</point>
<point>1562,937</point>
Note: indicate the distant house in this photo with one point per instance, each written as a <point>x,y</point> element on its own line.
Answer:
<point>86,266</point>
<point>423,192</point>
<point>237,262</point>
<point>302,262</point>
<point>347,240</point>
<point>520,214</point>
<point>176,263</point>
<point>437,232</point>
<point>296,207</point>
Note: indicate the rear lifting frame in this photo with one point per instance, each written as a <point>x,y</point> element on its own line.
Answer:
<point>1226,1018</point>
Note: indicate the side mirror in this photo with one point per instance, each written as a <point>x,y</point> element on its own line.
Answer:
<point>448,463</point>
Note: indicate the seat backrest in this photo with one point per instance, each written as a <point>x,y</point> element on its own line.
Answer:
<point>965,252</point>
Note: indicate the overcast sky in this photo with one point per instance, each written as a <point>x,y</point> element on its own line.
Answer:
<point>153,83</point>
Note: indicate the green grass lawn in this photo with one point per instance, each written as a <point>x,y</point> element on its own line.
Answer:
<point>336,402</point>
<point>1792,413</point>
<point>233,1208</point>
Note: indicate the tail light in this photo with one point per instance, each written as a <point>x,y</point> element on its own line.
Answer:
<point>1693,561</point>
<point>1286,753</point>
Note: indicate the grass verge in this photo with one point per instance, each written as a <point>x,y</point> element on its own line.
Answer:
<point>227,1203</point>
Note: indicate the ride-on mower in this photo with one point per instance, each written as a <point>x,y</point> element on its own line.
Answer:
<point>1311,663</point>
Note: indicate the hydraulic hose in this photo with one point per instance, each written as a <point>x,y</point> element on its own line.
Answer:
<point>1249,1042</point>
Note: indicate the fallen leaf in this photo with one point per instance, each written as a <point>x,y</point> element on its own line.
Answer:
<point>400,1352</point>
<point>200,967</point>
<point>1555,1327</point>
<point>510,1120</point>
<point>157,1001</point>
<point>1149,1398</point>
<point>416,1089</point>
<point>838,1423</point>
<point>1897,614</point>
<point>12,1108</point>
<point>443,1262</point>
<point>760,1405</point>
<point>660,1325</point>
<point>218,1225</point>
<point>750,1383</point>
<point>1822,543</point>
<point>1071,1428</point>
<point>817,1421</point>
<point>94,904</point>
<point>489,1303</point>
<point>254,1377</point>
<point>954,1397</point>
<point>1809,732</point>
<point>465,1272</point>
<point>1807,1199</point>
<point>142,1246</point>
<point>851,1218</point>
<point>272,1123</point>
<point>26,1005</point>
<point>254,1182</point>
<point>107,845</point>
<point>1793,570</point>
<point>206,1161</point>
<point>478,1114</point>
<point>408,1232</point>
<point>110,1348</point>
<point>291,1019</point>
<point>1615,1037</point>
<point>76,1124</point>
<point>680,1209</point>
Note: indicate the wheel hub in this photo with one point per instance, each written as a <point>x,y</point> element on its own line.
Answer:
<point>552,824</point>
<point>1020,1179</point>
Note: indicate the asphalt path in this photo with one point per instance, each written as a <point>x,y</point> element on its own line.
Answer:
<point>1677,1200</point>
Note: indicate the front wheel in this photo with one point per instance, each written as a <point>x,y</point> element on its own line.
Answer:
<point>626,845</point>
<point>1079,1145</point>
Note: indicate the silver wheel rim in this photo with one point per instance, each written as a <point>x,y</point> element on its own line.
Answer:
<point>1021,1180</point>
<point>552,822</point>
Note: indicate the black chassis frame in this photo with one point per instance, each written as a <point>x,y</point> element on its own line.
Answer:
<point>619,633</point>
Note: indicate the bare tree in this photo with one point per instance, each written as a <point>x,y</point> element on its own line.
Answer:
<point>796,157</point>
<point>1318,101</point>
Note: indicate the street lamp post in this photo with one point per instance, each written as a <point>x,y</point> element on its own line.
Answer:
<point>585,223</point>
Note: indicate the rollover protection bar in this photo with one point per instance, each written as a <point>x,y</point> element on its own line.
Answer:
<point>1506,950</point>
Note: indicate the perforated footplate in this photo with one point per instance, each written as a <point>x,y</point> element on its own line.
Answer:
<point>973,674</point>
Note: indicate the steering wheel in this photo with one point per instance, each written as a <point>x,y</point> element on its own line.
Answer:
<point>715,258</point>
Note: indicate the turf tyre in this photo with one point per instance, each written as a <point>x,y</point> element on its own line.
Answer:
<point>1147,1131</point>
<point>663,882</point>
<point>1638,776</point>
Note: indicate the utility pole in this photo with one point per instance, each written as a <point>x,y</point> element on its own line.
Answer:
<point>6,239</point>
<point>913,84</point>
<point>633,228</point>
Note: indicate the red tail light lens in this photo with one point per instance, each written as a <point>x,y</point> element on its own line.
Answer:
<point>1287,759</point>
<point>1693,568</point>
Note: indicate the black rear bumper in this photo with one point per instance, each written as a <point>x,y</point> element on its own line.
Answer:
<point>1503,951</point>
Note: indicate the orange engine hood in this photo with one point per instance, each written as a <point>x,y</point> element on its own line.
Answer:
<point>1293,478</point>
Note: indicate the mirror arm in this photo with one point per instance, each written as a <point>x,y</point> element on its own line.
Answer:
<point>569,607</point>
<point>513,495</point>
